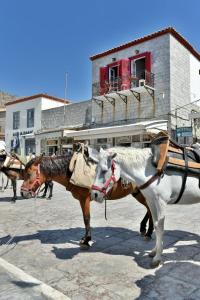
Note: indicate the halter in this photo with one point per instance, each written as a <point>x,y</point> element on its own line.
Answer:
<point>106,184</point>
<point>35,185</point>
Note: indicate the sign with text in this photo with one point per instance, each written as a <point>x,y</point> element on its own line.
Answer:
<point>184,131</point>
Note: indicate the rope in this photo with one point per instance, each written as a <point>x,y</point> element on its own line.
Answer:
<point>18,230</point>
<point>106,209</point>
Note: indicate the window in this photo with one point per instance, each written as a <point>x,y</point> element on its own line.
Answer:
<point>141,69</point>
<point>102,141</point>
<point>30,117</point>
<point>114,79</point>
<point>16,120</point>
<point>115,76</point>
<point>114,73</point>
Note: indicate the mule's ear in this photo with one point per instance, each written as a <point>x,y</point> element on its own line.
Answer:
<point>38,159</point>
<point>113,155</point>
<point>101,151</point>
<point>93,154</point>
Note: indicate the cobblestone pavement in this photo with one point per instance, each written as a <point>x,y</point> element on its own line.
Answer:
<point>46,246</point>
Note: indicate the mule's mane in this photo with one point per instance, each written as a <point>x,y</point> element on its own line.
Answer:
<point>52,166</point>
<point>134,156</point>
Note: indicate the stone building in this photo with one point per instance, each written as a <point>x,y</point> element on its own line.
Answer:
<point>57,122</point>
<point>150,78</point>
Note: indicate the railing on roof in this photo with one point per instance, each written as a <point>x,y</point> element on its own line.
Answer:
<point>122,83</point>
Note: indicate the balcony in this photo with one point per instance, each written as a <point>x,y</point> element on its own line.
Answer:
<point>123,83</point>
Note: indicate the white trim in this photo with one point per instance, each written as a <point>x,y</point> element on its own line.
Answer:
<point>117,131</point>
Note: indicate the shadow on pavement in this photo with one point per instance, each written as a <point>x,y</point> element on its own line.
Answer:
<point>8,199</point>
<point>174,280</point>
<point>178,245</point>
<point>24,284</point>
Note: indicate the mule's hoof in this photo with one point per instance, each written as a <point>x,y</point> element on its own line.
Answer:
<point>155,263</point>
<point>84,245</point>
<point>147,238</point>
<point>152,253</point>
<point>13,201</point>
<point>143,233</point>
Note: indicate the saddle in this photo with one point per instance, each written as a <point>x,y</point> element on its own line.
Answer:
<point>13,161</point>
<point>167,154</point>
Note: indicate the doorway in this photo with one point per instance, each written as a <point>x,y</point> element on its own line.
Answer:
<point>138,70</point>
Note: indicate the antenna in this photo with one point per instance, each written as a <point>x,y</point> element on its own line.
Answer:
<point>65,85</point>
<point>65,96</point>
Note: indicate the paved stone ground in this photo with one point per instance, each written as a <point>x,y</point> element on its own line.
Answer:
<point>46,246</point>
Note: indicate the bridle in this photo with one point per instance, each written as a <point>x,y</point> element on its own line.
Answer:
<point>112,178</point>
<point>35,185</point>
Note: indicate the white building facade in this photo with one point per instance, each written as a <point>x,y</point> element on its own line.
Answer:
<point>147,79</point>
<point>23,120</point>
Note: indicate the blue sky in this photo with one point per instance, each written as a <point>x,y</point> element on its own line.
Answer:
<point>42,39</point>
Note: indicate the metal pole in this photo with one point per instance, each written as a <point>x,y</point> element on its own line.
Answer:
<point>176,116</point>
<point>65,96</point>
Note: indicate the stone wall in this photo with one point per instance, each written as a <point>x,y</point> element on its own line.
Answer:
<point>70,115</point>
<point>146,108</point>
<point>2,121</point>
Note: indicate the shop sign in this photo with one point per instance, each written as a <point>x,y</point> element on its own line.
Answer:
<point>52,142</point>
<point>184,131</point>
<point>22,132</point>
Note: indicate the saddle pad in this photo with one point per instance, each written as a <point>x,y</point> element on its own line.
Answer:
<point>12,163</point>
<point>16,166</point>
<point>175,161</point>
<point>84,172</point>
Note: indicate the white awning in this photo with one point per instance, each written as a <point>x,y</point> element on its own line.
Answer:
<point>49,134</point>
<point>120,130</point>
<point>28,136</point>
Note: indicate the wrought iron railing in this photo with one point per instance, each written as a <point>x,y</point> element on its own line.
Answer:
<point>123,83</point>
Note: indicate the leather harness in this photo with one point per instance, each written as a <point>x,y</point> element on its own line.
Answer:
<point>108,181</point>
<point>162,164</point>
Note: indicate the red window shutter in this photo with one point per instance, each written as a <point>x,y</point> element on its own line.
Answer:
<point>103,80</point>
<point>148,62</point>
<point>125,74</point>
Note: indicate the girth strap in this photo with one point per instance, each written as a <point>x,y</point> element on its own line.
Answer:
<point>151,180</point>
<point>184,176</point>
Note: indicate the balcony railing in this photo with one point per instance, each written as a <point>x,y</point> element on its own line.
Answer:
<point>122,83</point>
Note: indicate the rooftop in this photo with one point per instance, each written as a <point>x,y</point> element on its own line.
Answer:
<point>169,30</point>
<point>38,96</point>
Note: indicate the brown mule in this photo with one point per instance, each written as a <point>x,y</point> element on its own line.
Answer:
<point>15,172</point>
<point>45,168</point>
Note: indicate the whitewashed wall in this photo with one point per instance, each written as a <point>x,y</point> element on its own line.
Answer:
<point>194,78</point>
<point>160,50</point>
<point>38,104</point>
